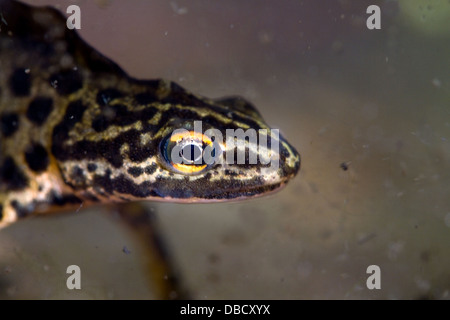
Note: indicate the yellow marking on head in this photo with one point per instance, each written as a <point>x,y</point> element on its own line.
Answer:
<point>187,168</point>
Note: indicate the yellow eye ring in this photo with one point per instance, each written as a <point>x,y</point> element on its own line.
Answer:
<point>177,143</point>
<point>189,169</point>
<point>191,135</point>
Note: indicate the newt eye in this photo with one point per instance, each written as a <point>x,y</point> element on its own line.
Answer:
<point>189,152</point>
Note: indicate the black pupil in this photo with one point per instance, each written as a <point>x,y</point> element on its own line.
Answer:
<point>191,153</point>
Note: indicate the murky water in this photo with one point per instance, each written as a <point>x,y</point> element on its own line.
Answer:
<point>376,103</point>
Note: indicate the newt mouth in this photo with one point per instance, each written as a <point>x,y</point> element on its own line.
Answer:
<point>231,195</point>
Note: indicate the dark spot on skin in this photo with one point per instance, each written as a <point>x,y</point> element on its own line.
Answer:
<point>74,114</point>
<point>77,171</point>
<point>12,176</point>
<point>150,169</point>
<point>135,171</point>
<point>39,109</point>
<point>20,82</point>
<point>105,96</point>
<point>100,123</point>
<point>9,123</point>
<point>21,210</point>
<point>66,82</point>
<point>145,98</point>
<point>37,158</point>
<point>103,182</point>
<point>64,199</point>
<point>91,167</point>
<point>344,166</point>
<point>77,176</point>
<point>208,176</point>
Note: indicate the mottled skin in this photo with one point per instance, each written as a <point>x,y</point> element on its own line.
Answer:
<point>74,127</point>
